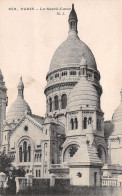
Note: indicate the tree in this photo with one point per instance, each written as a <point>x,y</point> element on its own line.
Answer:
<point>19,172</point>
<point>5,163</point>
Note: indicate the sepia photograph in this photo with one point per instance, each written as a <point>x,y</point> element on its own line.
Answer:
<point>61,97</point>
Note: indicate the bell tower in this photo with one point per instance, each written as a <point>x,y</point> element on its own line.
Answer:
<point>3,104</point>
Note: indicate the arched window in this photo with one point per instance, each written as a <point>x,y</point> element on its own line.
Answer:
<point>85,123</point>
<point>50,104</point>
<point>64,101</point>
<point>25,151</point>
<point>83,71</point>
<point>39,173</point>
<point>35,157</point>
<point>72,72</point>
<point>20,154</point>
<point>40,157</point>
<point>53,162</point>
<point>29,153</point>
<point>46,131</point>
<point>101,153</point>
<point>97,124</point>
<point>76,123</point>
<point>36,173</point>
<point>56,102</point>
<point>72,124</point>
<point>90,120</point>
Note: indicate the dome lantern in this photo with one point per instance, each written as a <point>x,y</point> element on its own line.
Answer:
<point>121,94</point>
<point>73,20</point>
<point>21,88</point>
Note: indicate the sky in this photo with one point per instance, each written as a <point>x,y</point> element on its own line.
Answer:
<point>29,38</point>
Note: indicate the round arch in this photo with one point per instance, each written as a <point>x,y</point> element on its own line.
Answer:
<point>70,151</point>
<point>25,147</point>
<point>102,154</point>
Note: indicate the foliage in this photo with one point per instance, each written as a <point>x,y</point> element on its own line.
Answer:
<point>5,163</point>
<point>19,172</point>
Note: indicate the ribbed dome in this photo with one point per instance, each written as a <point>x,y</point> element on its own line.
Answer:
<point>117,116</point>
<point>70,52</point>
<point>117,119</point>
<point>20,107</point>
<point>83,94</point>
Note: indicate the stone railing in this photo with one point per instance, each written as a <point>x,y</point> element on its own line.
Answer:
<point>109,182</point>
<point>21,183</point>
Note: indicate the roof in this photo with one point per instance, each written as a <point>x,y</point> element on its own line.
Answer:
<point>89,155</point>
<point>70,52</point>
<point>39,119</point>
<point>18,109</point>
<point>117,119</point>
<point>49,120</point>
<point>83,94</point>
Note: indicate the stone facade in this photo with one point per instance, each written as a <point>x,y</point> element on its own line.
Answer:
<point>69,142</point>
<point>3,104</point>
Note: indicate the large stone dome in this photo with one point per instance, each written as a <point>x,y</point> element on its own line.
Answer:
<point>20,107</point>
<point>84,94</point>
<point>70,52</point>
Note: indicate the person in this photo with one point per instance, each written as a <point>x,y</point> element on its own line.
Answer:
<point>10,183</point>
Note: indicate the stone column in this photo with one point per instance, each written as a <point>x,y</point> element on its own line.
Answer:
<point>68,73</point>
<point>52,180</point>
<point>93,76</point>
<point>80,121</point>
<point>29,177</point>
<point>2,179</point>
<point>94,121</point>
<point>53,104</point>
<point>59,103</point>
<point>47,106</point>
<point>67,123</point>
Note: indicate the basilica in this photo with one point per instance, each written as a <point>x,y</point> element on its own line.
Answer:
<point>72,140</point>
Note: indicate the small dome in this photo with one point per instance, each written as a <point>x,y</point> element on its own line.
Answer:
<point>20,107</point>
<point>83,94</point>
<point>117,116</point>
<point>117,119</point>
